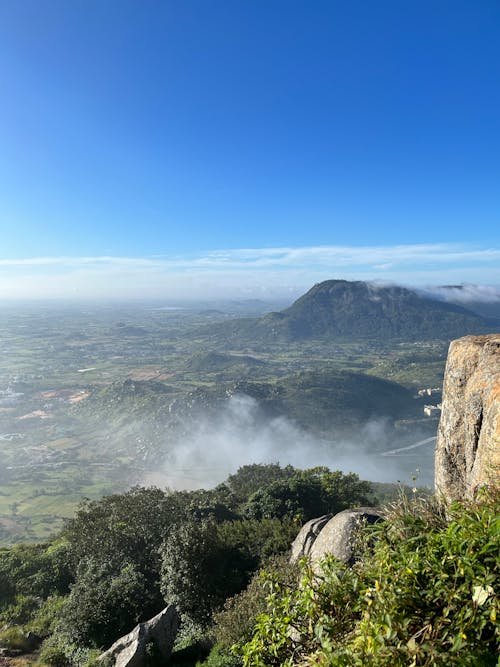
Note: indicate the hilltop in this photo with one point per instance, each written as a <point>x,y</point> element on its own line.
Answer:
<point>315,400</point>
<point>340,310</point>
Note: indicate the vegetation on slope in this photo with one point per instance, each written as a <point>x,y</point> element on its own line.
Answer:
<point>120,559</point>
<point>345,310</point>
<point>428,594</point>
<point>423,592</point>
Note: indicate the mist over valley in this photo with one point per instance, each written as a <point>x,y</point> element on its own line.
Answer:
<point>96,399</point>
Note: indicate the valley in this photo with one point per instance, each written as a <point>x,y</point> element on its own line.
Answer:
<point>94,400</point>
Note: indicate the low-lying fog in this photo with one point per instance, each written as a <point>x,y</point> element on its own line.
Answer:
<point>211,448</point>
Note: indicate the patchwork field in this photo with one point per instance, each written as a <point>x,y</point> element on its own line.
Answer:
<point>91,398</point>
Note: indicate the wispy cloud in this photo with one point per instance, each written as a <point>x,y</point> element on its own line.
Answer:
<point>244,271</point>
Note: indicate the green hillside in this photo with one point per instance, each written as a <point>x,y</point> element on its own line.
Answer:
<point>343,310</point>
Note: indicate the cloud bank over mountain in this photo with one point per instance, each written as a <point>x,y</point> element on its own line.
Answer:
<point>466,293</point>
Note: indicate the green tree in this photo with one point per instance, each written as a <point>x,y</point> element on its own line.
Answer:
<point>250,478</point>
<point>104,604</point>
<point>307,494</point>
<point>200,569</point>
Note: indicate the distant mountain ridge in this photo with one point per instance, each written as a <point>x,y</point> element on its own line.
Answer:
<point>341,309</point>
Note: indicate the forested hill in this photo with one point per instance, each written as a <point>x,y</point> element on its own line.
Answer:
<point>340,309</point>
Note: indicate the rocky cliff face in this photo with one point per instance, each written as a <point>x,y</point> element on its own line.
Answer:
<point>468,442</point>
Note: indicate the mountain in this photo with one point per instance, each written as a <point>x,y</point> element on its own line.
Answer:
<point>344,310</point>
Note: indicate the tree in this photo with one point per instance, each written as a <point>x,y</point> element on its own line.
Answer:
<point>200,569</point>
<point>308,493</point>
<point>104,604</point>
<point>250,478</point>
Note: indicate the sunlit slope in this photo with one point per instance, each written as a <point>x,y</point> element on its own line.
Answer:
<point>343,310</point>
<point>311,399</point>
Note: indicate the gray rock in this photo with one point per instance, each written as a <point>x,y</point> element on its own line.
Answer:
<point>468,442</point>
<point>304,541</point>
<point>339,535</point>
<point>130,650</point>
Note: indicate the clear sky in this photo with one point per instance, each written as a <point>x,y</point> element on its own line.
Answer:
<point>162,147</point>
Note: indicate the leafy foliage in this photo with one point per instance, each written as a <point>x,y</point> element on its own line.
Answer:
<point>34,569</point>
<point>28,574</point>
<point>235,621</point>
<point>425,592</point>
<point>204,563</point>
<point>308,493</point>
<point>428,595</point>
<point>104,604</point>
<point>250,478</point>
<point>123,527</point>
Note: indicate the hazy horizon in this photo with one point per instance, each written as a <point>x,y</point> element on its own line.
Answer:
<point>264,273</point>
<point>246,150</point>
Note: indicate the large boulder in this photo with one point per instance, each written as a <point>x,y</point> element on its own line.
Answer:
<point>131,650</point>
<point>468,442</point>
<point>304,541</point>
<point>340,534</point>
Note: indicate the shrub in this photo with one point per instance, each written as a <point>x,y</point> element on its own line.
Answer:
<point>58,651</point>
<point>307,494</point>
<point>204,562</point>
<point>103,605</point>
<point>46,617</point>
<point>15,638</point>
<point>199,569</point>
<point>236,620</point>
<point>220,657</point>
<point>427,595</point>
<point>20,609</point>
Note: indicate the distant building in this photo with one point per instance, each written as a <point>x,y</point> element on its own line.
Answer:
<point>429,392</point>
<point>432,410</point>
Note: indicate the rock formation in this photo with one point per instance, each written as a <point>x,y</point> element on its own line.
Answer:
<point>131,650</point>
<point>340,534</point>
<point>468,442</point>
<point>336,535</point>
<point>302,544</point>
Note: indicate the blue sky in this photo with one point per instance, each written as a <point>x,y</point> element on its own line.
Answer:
<point>155,148</point>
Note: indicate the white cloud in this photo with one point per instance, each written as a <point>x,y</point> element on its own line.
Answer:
<point>282,271</point>
<point>466,293</point>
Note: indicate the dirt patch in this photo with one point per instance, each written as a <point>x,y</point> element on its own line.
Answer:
<point>37,414</point>
<point>79,396</point>
<point>148,373</point>
<point>18,661</point>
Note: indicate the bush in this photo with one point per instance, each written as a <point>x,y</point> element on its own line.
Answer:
<point>46,617</point>
<point>308,494</point>
<point>220,657</point>
<point>28,573</point>
<point>15,638</point>
<point>236,620</point>
<point>204,563</point>
<point>200,570</point>
<point>58,651</point>
<point>427,595</point>
<point>20,609</point>
<point>102,606</point>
